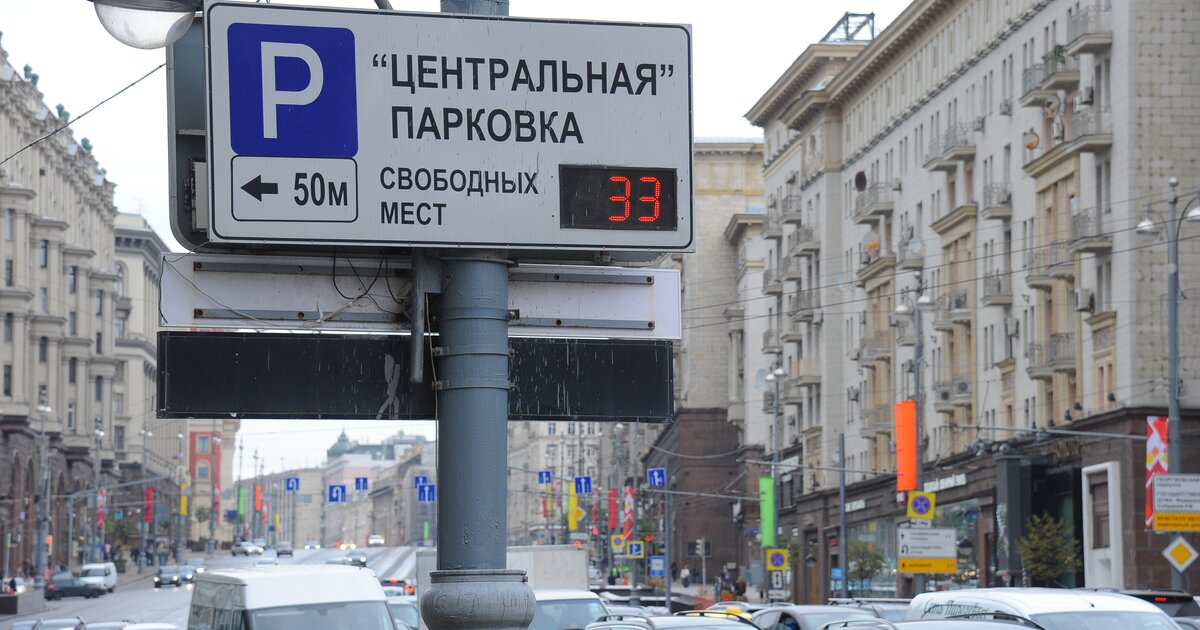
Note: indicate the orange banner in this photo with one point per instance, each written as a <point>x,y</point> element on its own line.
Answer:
<point>906,445</point>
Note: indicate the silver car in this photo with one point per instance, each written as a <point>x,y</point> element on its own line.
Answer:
<point>1050,608</point>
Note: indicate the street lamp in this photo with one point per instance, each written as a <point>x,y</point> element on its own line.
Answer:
<point>924,302</point>
<point>97,528</point>
<point>146,24</point>
<point>774,377</point>
<point>1174,433</point>
<point>43,529</point>
<point>143,527</point>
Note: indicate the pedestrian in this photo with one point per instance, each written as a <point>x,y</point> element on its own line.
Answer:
<point>739,588</point>
<point>12,584</point>
<point>674,571</point>
<point>686,576</point>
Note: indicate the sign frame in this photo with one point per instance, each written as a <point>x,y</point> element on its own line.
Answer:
<point>929,550</point>
<point>1176,502</point>
<point>368,71</point>
<point>656,477</point>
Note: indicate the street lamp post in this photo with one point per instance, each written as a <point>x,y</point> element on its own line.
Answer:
<point>143,527</point>
<point>97,527</point>
<point>43,530</point>
<point>213,470</point>
<point>179,515</point>
<point>1174,431</point>
<point>924,302</point>
<point>774,377</point>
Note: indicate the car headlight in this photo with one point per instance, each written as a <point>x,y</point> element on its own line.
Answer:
<point>156,578</point>
<point>200,570</point>
<point>189,576</point>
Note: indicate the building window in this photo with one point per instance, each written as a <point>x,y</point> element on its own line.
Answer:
<point>10,224</point>
<point>1099,491</point>
<point>202,471</point>
<point>551,428</point>
<point>99,343</point>
<point>8,380</point>
<point>43,349</point>
<point>202,444</point>
<point>44,299</point>
<point>119,404</point>
<point>43,253</point>
<point>71,415</point>
<point>118,440</point>
<point>99,389</point>
<point>72,370</point>
<point>99,302</point>
<point>73,323</point>
<point>119,325</point>
<point>72,279</point>
<point>120,288</point>
<point>8,273</point>
<point>8,326</point>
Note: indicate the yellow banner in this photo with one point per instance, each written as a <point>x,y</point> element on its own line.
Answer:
<point>928,565</point>
<point>573,511</point>
<point>1177,521</point>
<point>183,499</point>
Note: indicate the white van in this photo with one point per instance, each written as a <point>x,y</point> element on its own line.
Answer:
<point>286,597</point>
<point>101,574</point>
<point>1051,608</point>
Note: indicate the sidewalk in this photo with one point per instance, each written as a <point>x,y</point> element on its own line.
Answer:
<point>704,592</point>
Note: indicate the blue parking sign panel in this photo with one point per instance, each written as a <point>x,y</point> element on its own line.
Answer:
<point>583,485</point>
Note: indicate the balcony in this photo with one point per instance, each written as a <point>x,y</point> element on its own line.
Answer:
<point>1038,355</point>
<point>943,396</point>
<point>876,346</point>
<point>873,263</point>
<point>792,269</point>
<point>803,241</point>
<point>960,393</point>
<point>1061,70</point>
<point>1089,31</point>
<point>960,214</point>
<point>1032,93</point>
<point>997,289</point>
<point>874,202</point>
<point>771,342</point>
<point>997,202</point>
<point>954,308</point>
<point>773,225</point>
<point>911,255</point>
<point>878,419</point>
<point>1062,261</point>
<point>791,209</point>
<point>804,305</point>
<point>905,331</point>
<point>806,373</point>
<point>956,144</point>
<point>792,332</point>
<point>1088,235</point>
<point>771,283</point>
<point>1062,352</point>
<point>1037,269</point>
<point>1091,131</point>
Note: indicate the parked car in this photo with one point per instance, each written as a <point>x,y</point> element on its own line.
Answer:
<point>100,573</point>
<point>245,548</point>
<point>687,620</point>
<point>168,574</point>
<point>1173,603</point>
<point>61,586</point>
<point>284,549</point>
<point>566,608</point>
<point>1050,608</point>
<point>375,540</point>
<point>806,617</point>
<point>890,608</point>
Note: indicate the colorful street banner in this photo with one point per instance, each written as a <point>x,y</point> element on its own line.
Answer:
<point>612,509</point>
<point>241,508</point>
<point>766,510</point>
<point>572,508</point>
<point>183,499</point>
<point>148,509</point>
<point>906,445</point>
<point>1156,460</point>
<point>627,518</point>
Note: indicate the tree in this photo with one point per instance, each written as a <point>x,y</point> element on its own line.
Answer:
<point>865,562</point>
<point>1048,549</point>
<point>202,514</point>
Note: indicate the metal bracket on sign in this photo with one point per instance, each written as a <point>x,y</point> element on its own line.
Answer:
<point>552,322</point>
<point>519,275</point>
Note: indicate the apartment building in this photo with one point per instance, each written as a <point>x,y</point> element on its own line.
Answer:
<point>537,512</point>
<point>347,461</point>
<point>984,162</point>
<point>298,511</point>
<point>397,513</point>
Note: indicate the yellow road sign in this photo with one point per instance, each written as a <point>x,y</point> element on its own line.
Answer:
<point>1179,553</point>
<point>928,565</point>
<point>1177,521</point>
<point>635,549</point>
<point>777,558</point>
<point>617,542</point>
<point>921,504</point>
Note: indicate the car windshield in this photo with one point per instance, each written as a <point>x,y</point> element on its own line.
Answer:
<point>1105,620</point>
<point>566,613</point>
<point>196,562</point>
<point>169,568</point>
<point>333,616</point>
<point>406,613</point>
<point>93,572</point>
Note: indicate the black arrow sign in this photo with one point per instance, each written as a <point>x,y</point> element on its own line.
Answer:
<point>257,187</point>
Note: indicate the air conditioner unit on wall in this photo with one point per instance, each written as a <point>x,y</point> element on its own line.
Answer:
<point>1085,301</point>
<point>978,126</point>
<point>1012,326</point>
<point>852,393</point>
<point>1006,107</point>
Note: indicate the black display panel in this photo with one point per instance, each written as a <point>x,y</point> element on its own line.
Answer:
<point>618,198</point>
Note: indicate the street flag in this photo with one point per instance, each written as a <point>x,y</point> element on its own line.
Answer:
<point>627,518</point>
<point>1156,460</point>
<point>906,445</point>
<point>766,510</point>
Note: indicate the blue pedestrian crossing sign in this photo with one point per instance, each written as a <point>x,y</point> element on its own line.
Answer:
<point>545,478</point>
<point>360,483</point>
<point>427,493</point>
<point>420,480</point>
<point>656,477</point>
<point>634,549</point>
<point>337,494</point>
<point>583,485</point>
<point>293,484</point>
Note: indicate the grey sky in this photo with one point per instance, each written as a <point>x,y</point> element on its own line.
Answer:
<point>740,48</point>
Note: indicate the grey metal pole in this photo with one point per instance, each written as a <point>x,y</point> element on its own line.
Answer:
<point>667,524</point>
<point>142,529</point>
<point>919,404</point>
<point>1174,430</point>
<point>43,529</point>
<point>776,444</point>
<point>634,597</point>
<point>843,544</point>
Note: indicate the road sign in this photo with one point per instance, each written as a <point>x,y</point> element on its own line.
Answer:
<point>921,505</point>
<point>658,566</point>
<point>776,594</point>
<point>342,127</point>
<point>293,484</point>
<point>545,478</point>
<point>617,543</point>
<point>656,477</point>
<point>420,480</point>
<point>337,494</point>
<point>776,579</point>
<point>634,549</point>
<point>427,493</point>
<point>360,483</point>
<point>1177,503</point>
<point>1179,553</point>
<point>927,550</point>
<point>255,291</point>
<point>777,558</point>
<point>364,377</point>
<point>583,485</point>
<point>580,536</point>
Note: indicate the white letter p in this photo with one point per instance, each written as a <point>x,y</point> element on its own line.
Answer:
<point>272,96</point>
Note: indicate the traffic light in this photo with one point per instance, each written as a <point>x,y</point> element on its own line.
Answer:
<point>648,537</point>
<point>595,531</point>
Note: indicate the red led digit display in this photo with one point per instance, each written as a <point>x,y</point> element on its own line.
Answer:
<point>618,198</point>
